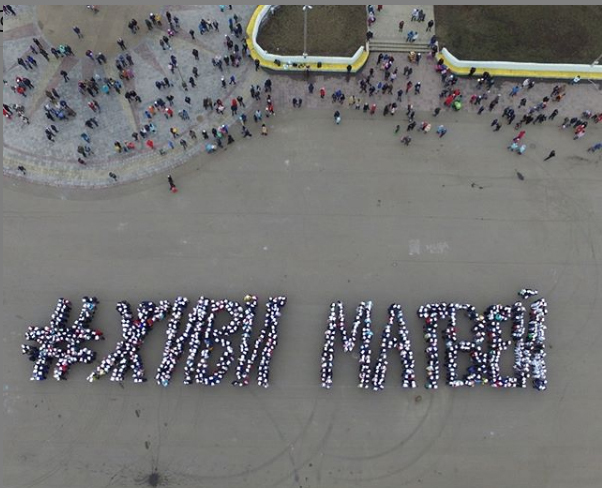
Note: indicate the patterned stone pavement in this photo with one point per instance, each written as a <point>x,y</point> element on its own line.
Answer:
<point>56,163</point>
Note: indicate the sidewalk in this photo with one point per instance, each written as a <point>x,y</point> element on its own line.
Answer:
<point>56,163</point>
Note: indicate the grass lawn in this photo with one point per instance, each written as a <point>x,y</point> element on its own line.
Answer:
<point>553,34</point>
<point>332,30</point>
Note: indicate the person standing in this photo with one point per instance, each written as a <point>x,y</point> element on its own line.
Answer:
<point>78,31</point>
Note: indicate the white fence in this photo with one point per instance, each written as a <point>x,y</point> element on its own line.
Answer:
<point>546,70</point>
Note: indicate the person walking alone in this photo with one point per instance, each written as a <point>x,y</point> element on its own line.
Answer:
<point>172,185</point>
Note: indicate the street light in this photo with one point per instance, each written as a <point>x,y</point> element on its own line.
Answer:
<point>305,9</point>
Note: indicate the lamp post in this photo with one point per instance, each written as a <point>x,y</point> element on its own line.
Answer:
<point>305,10</point>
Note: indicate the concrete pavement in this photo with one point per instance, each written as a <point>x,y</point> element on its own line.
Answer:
<point>318,212</point>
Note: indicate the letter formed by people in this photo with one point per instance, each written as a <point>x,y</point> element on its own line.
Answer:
<point>518,328</point>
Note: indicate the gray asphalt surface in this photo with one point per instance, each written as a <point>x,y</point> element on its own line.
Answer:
<point>318,213</point>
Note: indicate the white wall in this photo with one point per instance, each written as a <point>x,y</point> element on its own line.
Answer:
<point>584,70</point>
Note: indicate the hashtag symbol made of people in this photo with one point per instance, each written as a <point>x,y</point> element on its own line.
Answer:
<point>60,343</point>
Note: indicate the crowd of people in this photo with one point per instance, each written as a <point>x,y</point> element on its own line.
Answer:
<point>134,329</point>
<point>369,376</point>
<point>530,353</point>
<point>200,334</point>
<point>57,106</point>
<point>528,344</point>
<point>451,97</point>
<point>384,80</point>
<point>264,345</point>
<point>174,344</point>
<point>336,324</point>
<point>431,314</point>
<point>396,340</point>
<point>61,343</point>
<point>484,350</point>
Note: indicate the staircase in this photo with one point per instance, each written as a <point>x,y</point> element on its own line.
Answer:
<point>397,46</point>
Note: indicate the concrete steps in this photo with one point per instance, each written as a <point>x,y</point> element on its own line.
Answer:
<point>397,45</point>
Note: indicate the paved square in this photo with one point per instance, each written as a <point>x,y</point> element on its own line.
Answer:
<point>317,212</point>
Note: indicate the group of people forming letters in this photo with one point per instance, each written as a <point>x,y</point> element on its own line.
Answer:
<point>484,350</point>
